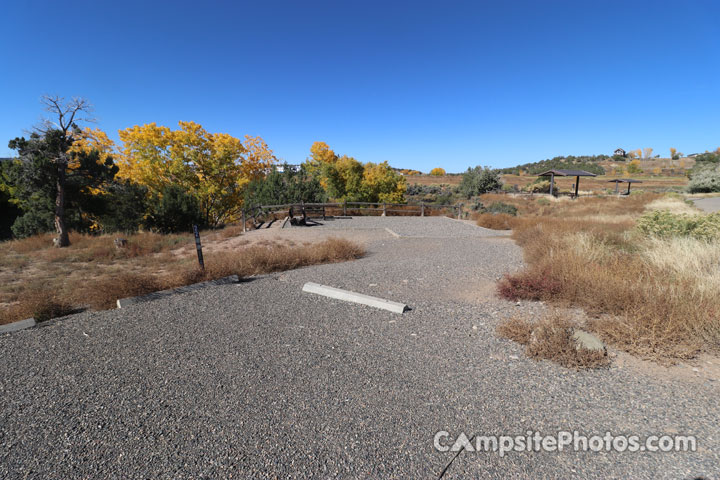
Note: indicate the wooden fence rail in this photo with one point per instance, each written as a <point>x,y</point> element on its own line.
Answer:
<point>420,209</point>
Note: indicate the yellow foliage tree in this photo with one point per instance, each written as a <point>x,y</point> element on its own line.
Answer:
<point>634,167</point>
<point>437,171</point>
<point>89,141</point>
<point>213,167</point>
<point>382,184</point>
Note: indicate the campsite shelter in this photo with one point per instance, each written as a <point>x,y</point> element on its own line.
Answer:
<point>566,173</point>
<point>618,181</point>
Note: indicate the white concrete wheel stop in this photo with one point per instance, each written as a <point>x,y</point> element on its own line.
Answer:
<point>353,297</point>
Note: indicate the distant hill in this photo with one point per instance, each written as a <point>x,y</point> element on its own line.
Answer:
<point>589,163</point>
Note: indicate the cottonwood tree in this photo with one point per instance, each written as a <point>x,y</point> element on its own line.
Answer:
<point>215,168</point>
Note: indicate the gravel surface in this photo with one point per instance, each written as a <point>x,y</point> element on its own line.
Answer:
<point>711,204</point>
<point>260,380</point>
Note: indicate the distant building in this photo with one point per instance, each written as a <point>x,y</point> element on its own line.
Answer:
<point>619,152</point>
<point>292,168</point>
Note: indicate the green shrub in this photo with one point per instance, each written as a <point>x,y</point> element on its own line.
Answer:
<point>708,157</point>
<point>501,207</point>
<point>479,180</point>
<point>176,211</point>
<point>705,178</point>
<point>125,207</point>
<point>538,186</point>
<point>288,185</point>
<point>477,206</point>
<point>665,224</point>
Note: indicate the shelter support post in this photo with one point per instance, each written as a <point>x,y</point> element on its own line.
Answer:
<point>577,185</point>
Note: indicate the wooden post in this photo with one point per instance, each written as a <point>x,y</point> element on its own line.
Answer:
<point>244,220</point>
<point>422,209</point>
<point>617,187</point>
<point>323,212</point>
<point>384,209</point>
<point>459,210</point>
<point>552,183</point>
<point>577,185</point>
<point>629,188</point>
<point>345,208</point>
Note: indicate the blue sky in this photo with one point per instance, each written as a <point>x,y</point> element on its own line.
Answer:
<point>420,84</point>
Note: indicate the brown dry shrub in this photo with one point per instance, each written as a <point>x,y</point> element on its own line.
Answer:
<point>551,338</point>
<point>601,266</point>
<point>516,329</point>
<point>529,284</point>
<point>39,304</point>
<point>103,293</point>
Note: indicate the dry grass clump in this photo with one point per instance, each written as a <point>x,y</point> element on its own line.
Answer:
<point>102,291</point>
<point>673,205</point>
<point>94,248</point>
<point>551,338</point>
<point>653,297</point>
<point>258,259</point>
<point>548,206</point>
<point>497,221</point>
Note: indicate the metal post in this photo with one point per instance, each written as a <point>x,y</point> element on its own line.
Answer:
<point>323,212</point>
<point>617,187</point>
<point>243,220</point>
<point>459,210</point>
<point>345,208</point>
<point>552,182</point>
<point>629,188</point>
<point>384,210</point>
<point>422,209</point>
<point>198,246</point>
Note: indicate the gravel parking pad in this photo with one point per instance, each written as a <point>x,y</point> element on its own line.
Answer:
<point>261,380</point>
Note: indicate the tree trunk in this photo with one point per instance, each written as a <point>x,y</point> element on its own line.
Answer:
<point>62,240</point>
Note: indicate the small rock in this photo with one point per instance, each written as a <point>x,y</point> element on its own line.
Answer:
<point>588,341</point>
<point>514,357</point>
<point>696,369</point>
<point>474,327</point>
<point>373,285</point>
<point>517,304</point>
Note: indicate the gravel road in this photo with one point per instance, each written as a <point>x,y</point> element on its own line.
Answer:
<point>260,380</point>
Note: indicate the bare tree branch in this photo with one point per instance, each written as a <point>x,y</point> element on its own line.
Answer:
<point>65,114</point>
